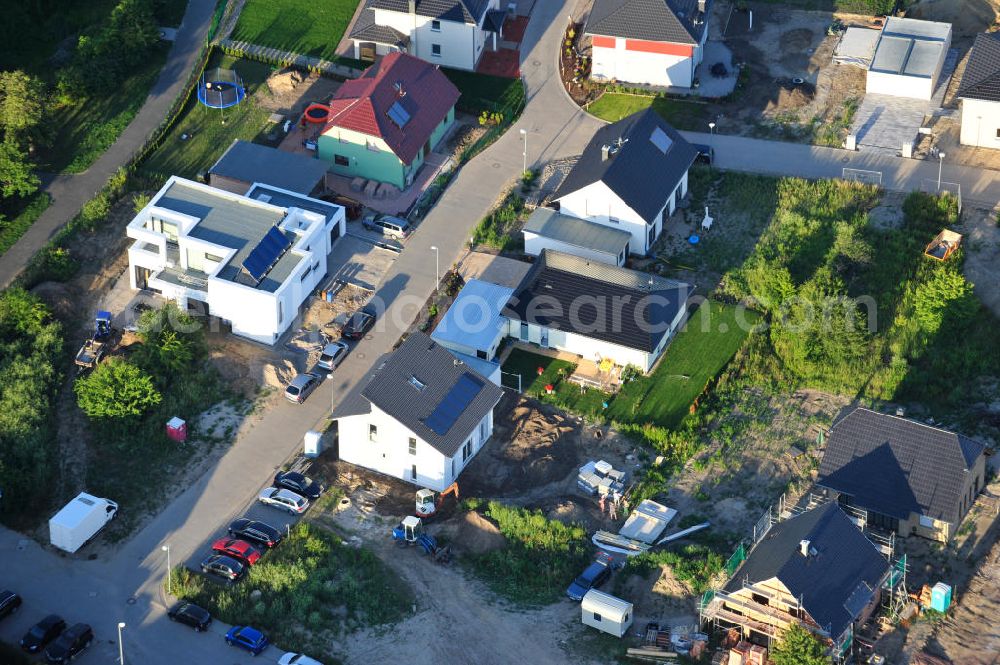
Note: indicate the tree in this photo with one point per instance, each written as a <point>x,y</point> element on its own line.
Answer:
<point>799,647</point>
<point>944,300</point>
<point>22,106</point>
<point>172,341</point>
<point>116,390</point>
<point>16,175</point>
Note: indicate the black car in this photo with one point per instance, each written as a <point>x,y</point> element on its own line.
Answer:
<point>42,633</point>
<point>73,640</point>
<point>9,603</point>
<point>191,615</point>
<point>357,325</point>
<point>298,483</point>
<point>256,532</point>
<point>224,566</point>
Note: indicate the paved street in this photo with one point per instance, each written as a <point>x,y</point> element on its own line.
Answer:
<point>100,591</point>
<point>69,192</point>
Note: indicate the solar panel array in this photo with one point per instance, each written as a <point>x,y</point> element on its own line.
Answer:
<point>454,404</point>
<point>399,115</point>
<point>267,252</point>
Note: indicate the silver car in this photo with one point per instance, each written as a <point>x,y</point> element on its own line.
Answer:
<point>284,499</point>
<point>333,354</point>
<point>387,225</point>
<point>301,387</point>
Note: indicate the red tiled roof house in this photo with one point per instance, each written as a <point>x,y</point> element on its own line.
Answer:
<point>383,124</point>
<point>652,42</point>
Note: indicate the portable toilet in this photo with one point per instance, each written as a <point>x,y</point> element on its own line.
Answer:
<point>941,597</point>
<point>177,430</point>
<point>312,444</point>
<point>606,613</point>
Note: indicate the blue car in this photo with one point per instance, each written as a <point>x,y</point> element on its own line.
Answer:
<point>594,576</point>
<point>247,638</point>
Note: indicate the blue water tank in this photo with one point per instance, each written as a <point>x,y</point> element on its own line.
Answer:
<point>941,597</point>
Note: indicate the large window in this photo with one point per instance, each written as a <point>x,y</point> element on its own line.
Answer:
<point>341,160</point>
<point>467,451</point>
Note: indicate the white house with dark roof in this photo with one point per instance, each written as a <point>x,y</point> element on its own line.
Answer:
<point>420,415</point>
<point>630,177</point>
<point>980,93</point>
<point>653,42</point>
<point>596,310</point>
<point>904,476</point>
<point>451,33</point>
<point>242,259</point>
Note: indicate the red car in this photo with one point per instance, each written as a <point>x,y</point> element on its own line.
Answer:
<point>238,549</point>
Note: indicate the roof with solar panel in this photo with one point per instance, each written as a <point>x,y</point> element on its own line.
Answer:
<point>427,389</point>
<point>262,259</point>
<point>400,99</point>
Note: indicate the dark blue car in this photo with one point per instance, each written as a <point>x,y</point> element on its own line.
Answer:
<point>247,638</point>
<point>594,576</point>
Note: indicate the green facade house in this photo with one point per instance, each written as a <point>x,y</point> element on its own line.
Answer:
<point>383,124</point>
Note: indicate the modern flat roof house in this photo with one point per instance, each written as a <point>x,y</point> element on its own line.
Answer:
<point>246,261</point>
<point>420,415</point>
<point>629,178</point>
<point>909,57</point>
<point>906,476</point>
<point>244,163</point>
<point>597,311</point>
<point>473,325</point>
<point>815,569</point>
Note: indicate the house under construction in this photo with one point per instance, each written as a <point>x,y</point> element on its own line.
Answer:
<point>812,567</point>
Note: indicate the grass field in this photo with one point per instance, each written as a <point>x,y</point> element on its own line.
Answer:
<point>306,27</point>
<point>481,92</point>
<point>613,106</point>
<point>83,131</point>
<point>207,136</point>
<point>12,229</point>
<point>314,589</point>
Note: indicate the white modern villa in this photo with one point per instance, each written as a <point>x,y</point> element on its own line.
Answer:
<point>250,260</point>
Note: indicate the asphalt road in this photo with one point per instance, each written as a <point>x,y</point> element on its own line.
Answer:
<point>128,587</point>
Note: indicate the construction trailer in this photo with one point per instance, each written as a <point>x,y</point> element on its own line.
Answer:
<point>606,613</point>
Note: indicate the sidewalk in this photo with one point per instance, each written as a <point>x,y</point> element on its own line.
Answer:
<point>70,192</point>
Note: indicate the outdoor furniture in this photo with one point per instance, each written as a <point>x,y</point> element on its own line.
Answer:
<point>358,184</point>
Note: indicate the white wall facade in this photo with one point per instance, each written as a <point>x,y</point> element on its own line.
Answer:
<point>897,85</point>
<point>534,244</point>
<point>642,67</point>
<point>390,454</point>
<point>461,44</point>
<point>980,123</point>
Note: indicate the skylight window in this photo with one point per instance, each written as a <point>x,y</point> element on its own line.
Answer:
<point>416,383</point>
<point>399,115</point>
<point>660,139</point>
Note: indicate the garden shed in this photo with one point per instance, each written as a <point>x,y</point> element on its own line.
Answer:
<point>606,612</point>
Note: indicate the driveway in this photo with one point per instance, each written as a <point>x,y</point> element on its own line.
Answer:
<point>70,192</point>
<point>128,586</point>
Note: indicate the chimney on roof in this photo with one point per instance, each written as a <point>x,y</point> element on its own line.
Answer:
<point>413,7</point>
<point>606,152</point>
<point>804,548</point>
<point>398,85</point>
<point>701,6</point>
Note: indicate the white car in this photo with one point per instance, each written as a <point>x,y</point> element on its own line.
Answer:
<point>297,659</point>
<point>333,354</point>
<point>285,499</point>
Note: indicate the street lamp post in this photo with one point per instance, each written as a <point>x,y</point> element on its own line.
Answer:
<point>170,572</point>
<point>940,166</point>
<point>711,128</point>
<point>524,153</point>
<point>121,651</point>
<point>437,266</point>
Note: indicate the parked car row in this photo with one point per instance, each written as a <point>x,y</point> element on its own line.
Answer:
<point>355,326</point>
<point>52,636</point>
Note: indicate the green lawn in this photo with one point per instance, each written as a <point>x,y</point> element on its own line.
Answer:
<point>12,229</point>
<point>206,135</point>
<point>85,129</point>
<point>481,92</point>
<point>613,106</point>
<point>314,590</point>
<point>566,395</point>
<point>308,27</point>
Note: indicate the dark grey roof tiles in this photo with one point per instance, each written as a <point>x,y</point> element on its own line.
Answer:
<point>834,584</point>
<point>637,170</point>
<point>437,371</point>
<point>366,29</point>
<point>894,466</point>
<point>598,300</point>
<point>678,21</point>
<point>981,79</point>
<point>462,11</point>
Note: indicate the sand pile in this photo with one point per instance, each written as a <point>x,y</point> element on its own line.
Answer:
<point>285,81</point>
<point>477,535</point>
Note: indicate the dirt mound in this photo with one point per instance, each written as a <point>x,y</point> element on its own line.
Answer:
<point>285,81</point>
<point>277,374</point>
<point>477,535</point>
<point>570,511</point>
<point>59,297</point>
<point>791,96</point>
<point>967,18</point>
<point>534,449</point>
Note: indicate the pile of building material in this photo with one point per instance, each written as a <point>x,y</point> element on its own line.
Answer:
<point>600,478</point>
<point>640,531</point>
<point>745,653</point>
<point>660,646</point>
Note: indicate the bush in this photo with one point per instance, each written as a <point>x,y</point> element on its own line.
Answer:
<point>498,228</point>
<point>116,390</point>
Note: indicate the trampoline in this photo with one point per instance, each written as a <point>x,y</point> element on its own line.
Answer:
<point>221,88</point>
<point>316,113</point>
